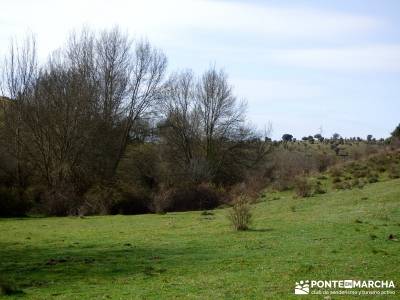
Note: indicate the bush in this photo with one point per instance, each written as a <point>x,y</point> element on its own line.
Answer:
<point>251,188</point>
<point>60,201</point>
<point>319,189</point>
<point>162,200</point>
<point>8,288</point>
<point>335,172</point>
<point>287,164</point>
<point>373,178</point>
<point>336,180</point>
<point>240,214</point>
<point>342,185</point>
<point>358,183</point>
<point>99,200</point>
<point>303,187</point>
<point>200,197</point>
<point>131,200</point>
<point>394,172</point>
<point>12,204</point>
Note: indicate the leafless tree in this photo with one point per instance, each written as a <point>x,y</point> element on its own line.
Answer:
<point>71,119</point>
<point>180,115</point>
<point>222,116</point>
<point>145,89</point>
<point>74,118</point>
<point>18,74</point>
<point>204,127</point>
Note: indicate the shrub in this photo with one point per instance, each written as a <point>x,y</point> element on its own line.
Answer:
<point>319,189</point>
<point>11,204</point>
<point>373,178</point>
<point>99,200</point>
<point>199,197</point>
<point>162,200</point>
<point>355,182</point>
<point>342,185</point>
<point>347,185</point>
<point>338,186</point>
<point>130,200</point>
<point>394,172</point>
<point>381,169</point>
<point>358,183</point>
<point>303,187</point>
<point>240,214</point>
<point>131,204</point>
<point>335,172</point>
<point>8,288</point>
<point>287,164</point>
<point>61,200</point>
<point>336,180</point>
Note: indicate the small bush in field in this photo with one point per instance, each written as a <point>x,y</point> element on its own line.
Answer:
<point>358,183</point>
<point>342,185</point>
<point>347,185</point>
<point>381,169</point>
<point>11,205</point>
<point>373,178</point>
<point>303,187</point>
<point>8,288</point>
<point>335,172</point>
<point>355,182</point>
<point>240,215</point>
<point>319,189</point>
<point>336,180</point>
<point>338,186</point>
<point>394,172</point>
<point>361,173</point>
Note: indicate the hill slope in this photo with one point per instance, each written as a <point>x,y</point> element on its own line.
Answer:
<point>338,235</point>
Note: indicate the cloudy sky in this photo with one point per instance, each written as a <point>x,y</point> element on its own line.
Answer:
<point>301,65</point>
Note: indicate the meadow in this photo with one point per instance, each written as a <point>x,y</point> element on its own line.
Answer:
<point>342,234</point>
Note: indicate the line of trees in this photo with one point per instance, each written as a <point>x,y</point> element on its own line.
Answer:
<point>101,123</point>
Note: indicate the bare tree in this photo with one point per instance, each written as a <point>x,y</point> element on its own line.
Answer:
<point>74,118</point>
<point>71,120</point>
<point>222,116</point>
<point>145,89</point>
<point>18,74</point>
<point>205,131</point>
<point>180,115</point>
<point>220,111</point>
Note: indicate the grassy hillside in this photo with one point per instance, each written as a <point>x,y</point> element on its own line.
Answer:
<point>338,235</point>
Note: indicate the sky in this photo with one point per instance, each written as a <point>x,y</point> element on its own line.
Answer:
<point>304,66</point>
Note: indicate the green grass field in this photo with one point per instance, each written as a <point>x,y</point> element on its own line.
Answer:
<point>337,235</point>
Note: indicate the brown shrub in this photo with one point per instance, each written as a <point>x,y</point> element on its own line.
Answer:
<point>60,201</point>
<point>200,197</point>
<point>99,200</point>
<point>335,172</point>
<point>11,204</point>
<point>394,171</point>
<point>303,187</point>
<point>289,164</point>
<point>240,214</point>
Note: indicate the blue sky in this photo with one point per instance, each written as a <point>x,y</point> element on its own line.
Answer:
<point>300,65</point>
